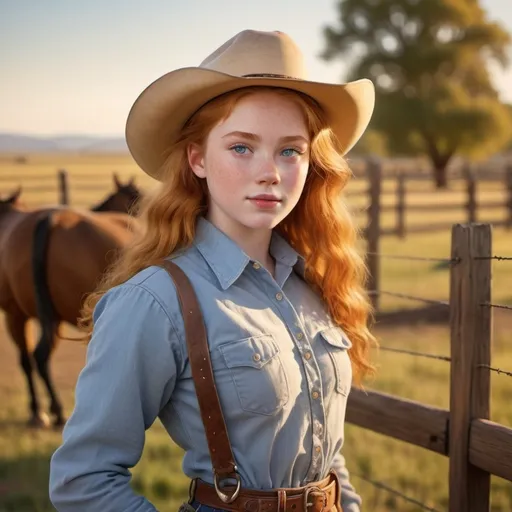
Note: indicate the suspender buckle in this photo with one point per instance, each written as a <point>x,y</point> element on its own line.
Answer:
<point>226,498</point>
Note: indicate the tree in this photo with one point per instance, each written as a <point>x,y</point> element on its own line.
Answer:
<point>428,60</point>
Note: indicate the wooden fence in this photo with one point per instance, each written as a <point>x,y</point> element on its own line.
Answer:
<point>476,446</point>
<point>375,194</point>
<point>82,189</point>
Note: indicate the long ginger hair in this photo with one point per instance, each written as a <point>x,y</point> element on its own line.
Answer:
<point>320,227</point>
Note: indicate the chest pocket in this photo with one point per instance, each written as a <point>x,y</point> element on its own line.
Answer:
<point>258,374</point>
<point>337,344</point>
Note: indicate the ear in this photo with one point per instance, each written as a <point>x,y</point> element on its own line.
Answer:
<point>117,183</point>
<point>196,160</point>
<point>14,196</point>
<point>132,180</point>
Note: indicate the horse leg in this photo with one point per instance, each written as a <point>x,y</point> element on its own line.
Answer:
<point>16,324</point>
<point>42,354</point>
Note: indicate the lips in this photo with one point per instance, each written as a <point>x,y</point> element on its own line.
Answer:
<point>265,201</point>
<point>266,197</point>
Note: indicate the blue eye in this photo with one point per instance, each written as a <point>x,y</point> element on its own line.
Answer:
<point>289,152</point>
<point>239,149</point>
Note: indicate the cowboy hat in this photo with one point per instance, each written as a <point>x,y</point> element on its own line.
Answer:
<point>250,58</point>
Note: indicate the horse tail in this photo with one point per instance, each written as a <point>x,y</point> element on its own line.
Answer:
<point>44,304</point>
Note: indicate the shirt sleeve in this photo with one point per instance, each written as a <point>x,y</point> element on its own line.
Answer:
<point>130,372</point>
<point>350,500</point>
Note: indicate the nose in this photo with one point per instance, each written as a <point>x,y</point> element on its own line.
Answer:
<point>269,173</point>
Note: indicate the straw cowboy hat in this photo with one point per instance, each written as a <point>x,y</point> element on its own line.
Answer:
<point>250,58</point>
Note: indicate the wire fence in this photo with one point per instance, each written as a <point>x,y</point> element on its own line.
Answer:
<point>391,490</point>
<point>499,371</point>
<point>374,292</point>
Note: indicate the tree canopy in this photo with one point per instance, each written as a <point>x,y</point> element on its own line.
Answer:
<point>429,62</point>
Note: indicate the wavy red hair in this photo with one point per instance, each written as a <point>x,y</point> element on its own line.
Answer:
<point>320,227</point>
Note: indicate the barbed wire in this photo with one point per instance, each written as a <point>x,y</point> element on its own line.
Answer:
<point>497,370</point>
<point>389,489</point>
<point>414,353</point>
<point>410,297</point>
<point>451,261</point>
<point>499,258</point>
<point>413,258</point>
<point>499,306</point>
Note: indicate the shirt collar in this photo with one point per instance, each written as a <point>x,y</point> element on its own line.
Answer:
<point>228,261</point>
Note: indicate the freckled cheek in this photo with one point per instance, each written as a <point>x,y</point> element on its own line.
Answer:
<point>226,175</point>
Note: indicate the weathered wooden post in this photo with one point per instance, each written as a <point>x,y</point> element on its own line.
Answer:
<point>400,204</point>
<point>374,173</point>
<point>471,205</point>
<point>470,326</point>
<point>62,177</point>
<point>508,188</point>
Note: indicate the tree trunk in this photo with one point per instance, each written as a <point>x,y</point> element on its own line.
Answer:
<point>440,178</point>
<point>439,162</point>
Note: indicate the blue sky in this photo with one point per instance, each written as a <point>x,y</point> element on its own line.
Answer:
<point>77,66</point>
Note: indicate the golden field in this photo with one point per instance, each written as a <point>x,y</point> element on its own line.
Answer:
<point>24,454</point>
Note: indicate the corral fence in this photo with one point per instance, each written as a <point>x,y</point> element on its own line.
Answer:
<point>376,196</point>
<point>477,447</point>
<point>79,189</point>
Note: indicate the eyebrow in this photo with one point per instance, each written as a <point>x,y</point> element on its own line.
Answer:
<point>253,136</point>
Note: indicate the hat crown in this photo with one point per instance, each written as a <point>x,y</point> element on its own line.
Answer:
<point>253,52</point>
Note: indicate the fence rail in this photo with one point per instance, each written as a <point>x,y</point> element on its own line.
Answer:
<point>477,447</point>
<point>66,190</point>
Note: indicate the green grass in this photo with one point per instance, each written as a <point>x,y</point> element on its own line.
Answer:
<point>423,475</point>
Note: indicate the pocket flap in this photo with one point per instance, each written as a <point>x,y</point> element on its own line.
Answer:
<point>255,352</point>
<point>336,337</point>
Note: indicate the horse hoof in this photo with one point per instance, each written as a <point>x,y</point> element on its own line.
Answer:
<point>41,420</point>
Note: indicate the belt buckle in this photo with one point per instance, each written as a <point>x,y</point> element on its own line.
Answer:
<point>310,489</point>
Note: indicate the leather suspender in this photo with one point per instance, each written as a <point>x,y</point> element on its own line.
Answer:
<point>223,461</point>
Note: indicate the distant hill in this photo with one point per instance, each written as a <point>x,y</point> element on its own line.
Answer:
<point>13,143</point>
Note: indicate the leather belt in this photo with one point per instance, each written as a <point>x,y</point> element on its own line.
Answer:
<point>322,496</point>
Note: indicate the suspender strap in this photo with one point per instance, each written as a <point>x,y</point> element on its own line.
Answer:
<point>223,461</point>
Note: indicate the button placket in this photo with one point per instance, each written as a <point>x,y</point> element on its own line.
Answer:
<point>312,381</point>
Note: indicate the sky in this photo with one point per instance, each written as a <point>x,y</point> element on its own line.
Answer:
<point>76,67</point>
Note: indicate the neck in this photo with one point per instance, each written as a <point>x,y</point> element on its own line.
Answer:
<point>254,242</point>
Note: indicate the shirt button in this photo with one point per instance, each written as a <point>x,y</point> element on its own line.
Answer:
<point>256,265</point>
<point>300,335</point>
<point>315,394</point>
<point>256,357</point>
<point>279,296</point>
<point>318,449</point>
<point>307,356</point>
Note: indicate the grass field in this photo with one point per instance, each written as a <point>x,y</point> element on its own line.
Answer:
<point>416,472</point>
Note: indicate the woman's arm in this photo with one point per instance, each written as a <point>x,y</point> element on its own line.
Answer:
<point>132,362</point>
<point>350,500</point>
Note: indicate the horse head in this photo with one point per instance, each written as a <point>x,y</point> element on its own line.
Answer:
<point>123,199</point>
<point>11,202</point>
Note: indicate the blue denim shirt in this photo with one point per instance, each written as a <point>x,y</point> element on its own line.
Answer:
<point>280,364</point>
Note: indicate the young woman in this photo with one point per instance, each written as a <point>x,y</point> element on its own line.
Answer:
<point>250,158</point>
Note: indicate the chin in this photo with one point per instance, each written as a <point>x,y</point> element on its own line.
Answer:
<point>261,222</point>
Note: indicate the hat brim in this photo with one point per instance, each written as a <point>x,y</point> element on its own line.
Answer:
<point>162,109</point>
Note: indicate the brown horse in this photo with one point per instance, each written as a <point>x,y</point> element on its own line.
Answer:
<point>50,259</point>
<point>124,199</point>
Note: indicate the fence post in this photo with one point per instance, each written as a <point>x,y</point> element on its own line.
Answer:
<point>471,205</point>
<point>470,334</point>
<point>374,173</point>
<point>400,204</point>
<point>63,187</point>
<point>508,187</point>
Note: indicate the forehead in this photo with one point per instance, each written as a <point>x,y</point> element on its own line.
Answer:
<point>265,110</point>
